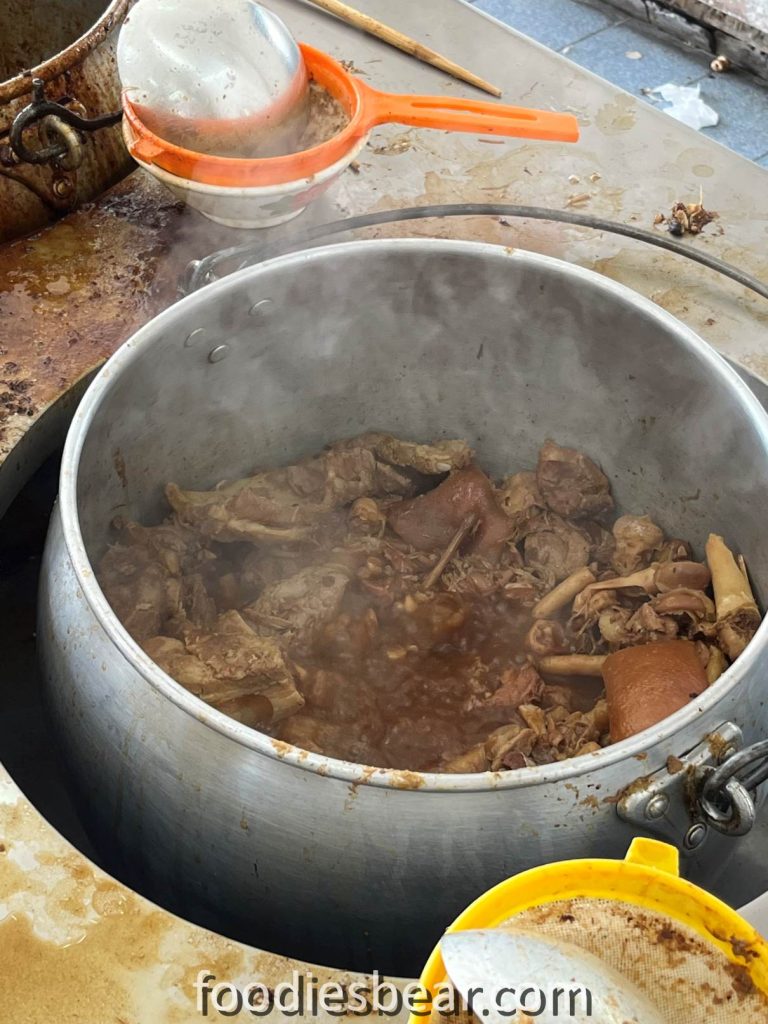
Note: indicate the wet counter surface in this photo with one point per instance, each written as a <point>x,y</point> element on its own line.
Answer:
<point>86,947</point>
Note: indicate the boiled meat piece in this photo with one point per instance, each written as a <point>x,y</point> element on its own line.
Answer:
<point>172,656</point>
<point>572,484</point>
<point>602,542</point>
<point>637,538</point>
<point>433,459</point>
<point>519,685</point>
<point>682,574</point>
<point>287,505</point>
<point>622,627</point>
<point>229,663</point>
<point>521,499</point>
<point>674,550</point>
<point>583,731</point>
<point>509,747</point>
<point>546,636</point>
<point>693,609</point>
<point>197,605</point>
<point>546,735</point>
<point>177,548</point>
<point>142,591</point>
<point>556,548</point>
<point>430,521</point>
<point>281,505</point>
<point>294,607</point>
<point>152,575</point>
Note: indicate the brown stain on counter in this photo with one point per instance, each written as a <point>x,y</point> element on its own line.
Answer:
<point>125,960</point>
<point>128,967</point>
<point>78,947</point>
<point>73,292</point>
<point>69,984</point>
<point>619,116</point>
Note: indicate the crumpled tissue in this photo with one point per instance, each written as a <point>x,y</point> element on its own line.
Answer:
<point>686,105</point>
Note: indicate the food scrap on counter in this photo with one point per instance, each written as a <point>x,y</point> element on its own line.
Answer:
<point>687,218</point>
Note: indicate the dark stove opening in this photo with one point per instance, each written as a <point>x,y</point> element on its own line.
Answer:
<point>27,748</point>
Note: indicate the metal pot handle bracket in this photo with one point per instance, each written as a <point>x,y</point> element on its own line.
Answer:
<point>60,127</point>
<point>714,787</point>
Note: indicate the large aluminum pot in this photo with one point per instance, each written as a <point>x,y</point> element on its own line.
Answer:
<point>300,853</point>
<point>70,46</point>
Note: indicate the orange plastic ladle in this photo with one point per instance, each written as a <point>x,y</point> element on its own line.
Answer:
<point>366,108</point>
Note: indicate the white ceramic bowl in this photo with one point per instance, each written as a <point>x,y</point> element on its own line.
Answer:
<point>260,206</point>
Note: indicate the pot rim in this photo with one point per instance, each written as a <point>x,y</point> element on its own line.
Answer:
<point>78,49</point>
<point>348,771</point>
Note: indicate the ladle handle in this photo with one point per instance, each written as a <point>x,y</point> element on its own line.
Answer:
<point>463,115</point>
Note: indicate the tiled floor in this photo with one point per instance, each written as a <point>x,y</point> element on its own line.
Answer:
<point>599,37</point>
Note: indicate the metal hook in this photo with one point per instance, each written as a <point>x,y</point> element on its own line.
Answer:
<point>41,108</point>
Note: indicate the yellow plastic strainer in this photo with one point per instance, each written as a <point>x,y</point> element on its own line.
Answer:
<point>695,956</point>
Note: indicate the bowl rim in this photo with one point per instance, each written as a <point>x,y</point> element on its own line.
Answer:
<point>356,773</point>
<point>284,188</point>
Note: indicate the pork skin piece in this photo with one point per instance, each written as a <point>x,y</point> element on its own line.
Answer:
<point>430,521</point>
<point>646,684</point>
<point>298,605</point>
<point>571,483</point>
<point>225,664</point>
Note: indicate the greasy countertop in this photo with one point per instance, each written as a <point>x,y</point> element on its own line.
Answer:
<point>77,946</point>
<point>69,295</point>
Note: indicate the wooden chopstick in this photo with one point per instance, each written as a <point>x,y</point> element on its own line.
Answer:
<point>390,35</point>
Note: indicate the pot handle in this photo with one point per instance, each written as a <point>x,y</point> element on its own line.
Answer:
<point>203,271</point>
<point>465,115</point>
<point>727,796</point>
<point>714,787</point>
<point>60,126</point>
